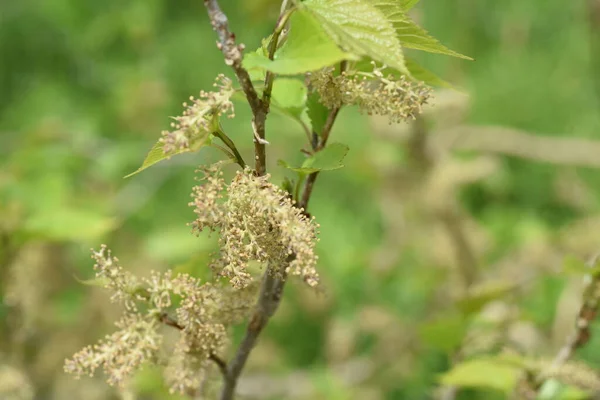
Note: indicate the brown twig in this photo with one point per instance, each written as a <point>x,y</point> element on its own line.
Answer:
<point>530,384</point>
<point>586,315</point>
<point>232,53</point>
<point>270,76</point>
<point>578,152</point>
<point>318,145</point>
<point>167,320</point>
<point>273,283</point>
<point>220,363</point>
<point>271,293</point>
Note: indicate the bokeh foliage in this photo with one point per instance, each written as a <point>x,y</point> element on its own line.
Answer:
<point>87,86</point>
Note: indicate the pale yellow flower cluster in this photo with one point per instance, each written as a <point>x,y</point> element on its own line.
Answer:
<point>120,354</point>
<point>198,116</point>
<point>257,221</point>
<point>201,315</point>
<point>373,92</point>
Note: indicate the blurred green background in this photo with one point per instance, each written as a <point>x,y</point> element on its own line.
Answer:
<point>87,86</point>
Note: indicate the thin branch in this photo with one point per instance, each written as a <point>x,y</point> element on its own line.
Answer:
<point>578,152</point>
<point>318,145</point>
<point>273,283</point>
<point>581,335</point>
<point>328,126</point>
<point>232,53</point>
<point>220,363</point>
<point>271,293</point>
<point>167,320</point>
<point>273,44</point>
<point>585,317</point>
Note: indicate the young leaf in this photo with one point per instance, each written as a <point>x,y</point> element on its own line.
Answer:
<point>290,95</point>
<point>489,372</point>
<point>285,164</point>
<point>257,74</point>
<point>575,266</point>
<point>484,293</point>
<point>444,333</point>
<point>408,4</point>
<point>421,74</point>
<point>307,48</point>
<point>553,389</point>
<point>360,28</point>
<point>417,72</point>
<point>410,34</point>
<point>157,154</point>
<point>317,113</point>
<point>327,159</point>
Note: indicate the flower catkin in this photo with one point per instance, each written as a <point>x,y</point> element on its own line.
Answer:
<point>193,127</point>
<point>122,284</point>
<point>257,221</point>
<point>373,92</point>
<point>121,353</point>
<point>200,311</point>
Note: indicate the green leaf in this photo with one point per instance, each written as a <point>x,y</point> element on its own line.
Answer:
<point>317,113</point>
<point>327,159</point>
<point>290,95</point>
<point>574,265</point>
<point>421,74</point>
<point>489,372</point>
<point>417,72</point>
<point>360,28</point>
<point>288,185</point>
<point>300,170</point>
<point>307,48</point>
<point>407,4</point>
<point>156,153</point>
<point>257,74</point>
<point>553,389</point>
<point>411,35</point>
<point>445,333</point>
<point>573,393</point>
<point>482,294</point>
